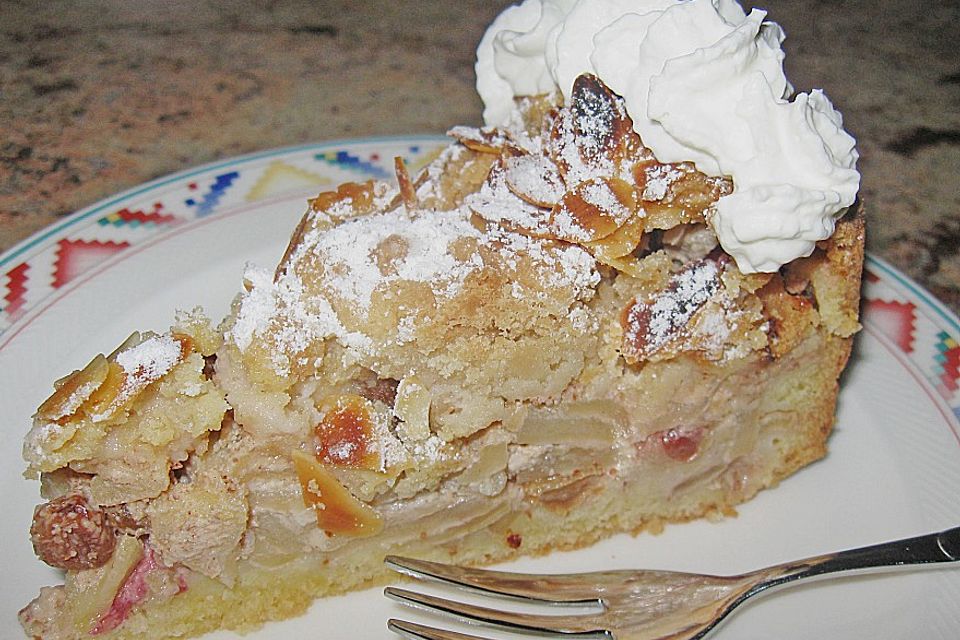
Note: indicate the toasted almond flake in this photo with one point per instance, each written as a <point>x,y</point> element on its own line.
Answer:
<point>496,202</point>
<point>535,179</point>
<point>652,324</point>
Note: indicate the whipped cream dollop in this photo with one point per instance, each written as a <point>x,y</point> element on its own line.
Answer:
<point>704,83</point>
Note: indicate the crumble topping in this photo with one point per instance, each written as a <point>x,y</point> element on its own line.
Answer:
<point>348,253</point>
<point>268,300</point>
<point>366,254</point>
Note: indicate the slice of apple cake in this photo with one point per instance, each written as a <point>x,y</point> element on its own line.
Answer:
<point>535,343</point>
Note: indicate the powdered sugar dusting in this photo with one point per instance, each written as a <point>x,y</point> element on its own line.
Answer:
<point>599,194</point>
<point>535,178</point>
<point>689,290</point>
<point>151,359</point>
<point>652,325</point>
<point>293,319</point>
<point>77,398</point>
<point>569,227</point>
<point>356,262</point>
<point>365,254</point>
<point>659,178</point>
<point>391,450</point>
<point>431,449</point>
<point>583,321</point>
<point>581,152</point>
<point>41,438</point>
<point>565,264</point>
<point>406,328</point>
<point>341,452</point>
<point>142,364</point>
<point>714,328</point>
<point>595,116</point>
<point>497,203</point>
<point>346,266</point>
<point>430,187</point>
<point>259,305</point>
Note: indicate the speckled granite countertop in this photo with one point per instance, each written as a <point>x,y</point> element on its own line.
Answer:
<point>98,96</point>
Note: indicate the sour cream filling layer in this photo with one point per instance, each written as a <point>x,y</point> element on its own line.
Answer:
<point>704,83</point>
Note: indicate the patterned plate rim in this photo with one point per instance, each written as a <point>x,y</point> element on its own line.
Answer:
<point>83,214</point>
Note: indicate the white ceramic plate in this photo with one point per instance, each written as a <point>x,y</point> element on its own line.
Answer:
<point>80,287</point>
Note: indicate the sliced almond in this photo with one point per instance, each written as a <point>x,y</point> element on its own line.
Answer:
<point>676,193</point>
<point>412,406</point>
<point>357,199</point>
<point>74,390</point>
<point>600,119</point>
<point>106,401</point>
<point>407,191</point>
<point>628,264</point>
<point>338,511</point>
<point>351,199</point>
<point>593,210</point>
<point>594,136</point>
<point>485,140</point>
<point>695,191</point>
<point>103,387</point>
<point>666,216</point>
<point>495,202</point>
<point>345,433</point>
<point>621,242</point>
<point>121,386</point>
<point>534,178</point>
<point>652,324</point>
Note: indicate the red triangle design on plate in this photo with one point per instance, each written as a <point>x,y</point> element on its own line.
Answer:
<point>76,256</point>
<point>16,288</point>
<point>951,370</point>
<point>143,217</point>
<point>896,320</point>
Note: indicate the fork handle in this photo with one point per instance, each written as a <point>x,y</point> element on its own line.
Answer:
<point>930,548</point>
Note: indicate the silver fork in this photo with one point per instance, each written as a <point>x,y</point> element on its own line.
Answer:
<point>637,605</point>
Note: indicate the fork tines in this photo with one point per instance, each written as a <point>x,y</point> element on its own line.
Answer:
<point>416,631</point>
<point>563,589</point>
<point>530,588</point>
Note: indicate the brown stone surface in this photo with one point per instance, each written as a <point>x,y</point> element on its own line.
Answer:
<point>100,95</point>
